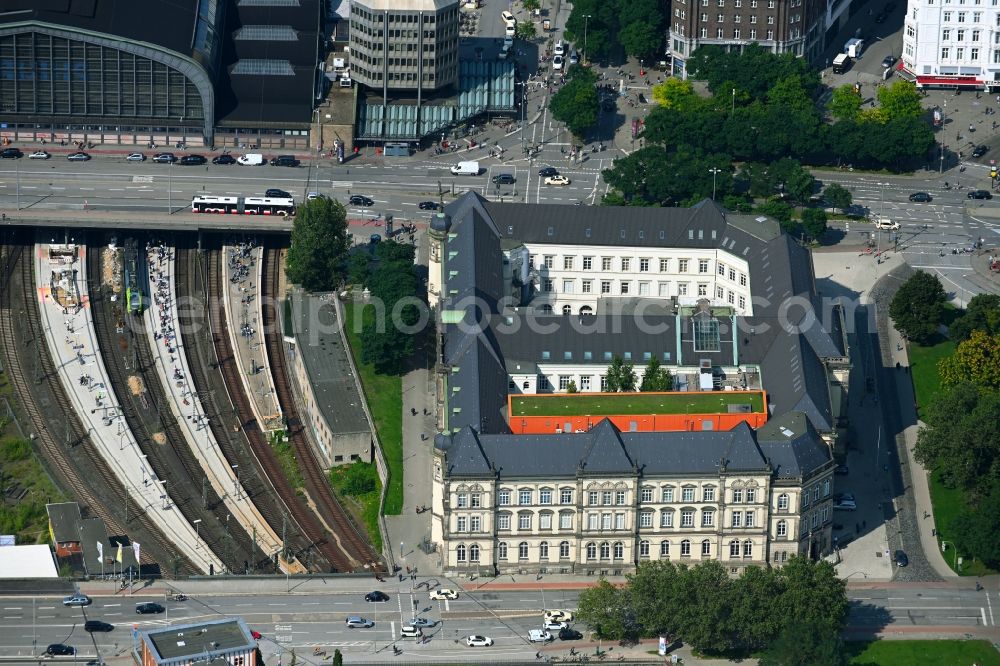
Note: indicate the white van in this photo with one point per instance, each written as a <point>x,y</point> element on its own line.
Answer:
<point>509,31</point>
<point>560,48</point>
<point>508,19</point>
<point>251,159</point>
<point>885,223</point>
<point>466,169</point>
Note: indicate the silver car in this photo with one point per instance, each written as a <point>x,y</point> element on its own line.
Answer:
<point>77,600</point>
<point>358,622</point>
<point>135,157</point>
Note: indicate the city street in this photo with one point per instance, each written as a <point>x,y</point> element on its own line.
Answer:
<point>312,618</point>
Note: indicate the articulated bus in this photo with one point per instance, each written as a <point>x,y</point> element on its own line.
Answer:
<point>243,205</point>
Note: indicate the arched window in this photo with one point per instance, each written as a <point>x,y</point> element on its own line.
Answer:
<point>664,549</point>
<point>619,550</point>
<point>502,550</point>
<point>460,553</point>
<point>567,310</point>
<point>706,548</point>
<point>546,309</point>
<point>782,528</point>
<point>522,550</point>
<point>734,548</point>
<point>643,548</point>
<point>686,548</point>
<point>474,552</point>
<point>564,549</point>
<point>586,310</point>
<point>783,501</point>
<point>748,548</point>
<point>591,551</point>
<point>605,550</point>
<point>543,550</point>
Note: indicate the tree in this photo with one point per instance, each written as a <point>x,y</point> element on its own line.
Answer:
<point>982,313</point>
<point>621,376</point>
<point>338,658</point>
<point>358,264</point>
<point>571,387</point>
<point>604,608</point>
<point>526,30</point>
<point>977,526</point>
<point>975,360</point>
<point>704,621</point>
<point>656,377</point>
<point>319,246</point>
<point>802,643</point>
<point>674,93</point>
<point>900,100</point>
<point>779,210</point>
<point>962,439</point>
<point>844,104</point>
<point>794,181</point>
<point>654,589</point>
<point>360,478</point>
<point>752,595</point>
<point>641,39</point>
<point>838,196</point>
<point>813,592</point>
<point>918,306</point>
<point>531,5</point>
<point>576,103</point>
<point>387,339</point>
<point>814,222</point>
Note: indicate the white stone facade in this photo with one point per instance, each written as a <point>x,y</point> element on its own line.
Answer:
<point>953,42</point>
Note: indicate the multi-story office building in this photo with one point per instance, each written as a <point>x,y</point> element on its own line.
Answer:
<point>783,26</point>
<point>725,302</point>
<point>408,45</point>
<point>952,44</point>
<point>601,502</point>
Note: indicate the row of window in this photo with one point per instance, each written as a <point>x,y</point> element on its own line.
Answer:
<point>720,33</point>
<point>625,288</point>
<point>976,16</point>
<point>605,550</point>
<point>721,18</point>
<point>611,521</point>
<point>960,54</point>
<point>959,35</point>
<point>647,495</point>
<point>643,264</point>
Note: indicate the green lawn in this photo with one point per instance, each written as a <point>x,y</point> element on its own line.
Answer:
<point>364,507</point>
<point>579,404</point>
<point>384,394</point>
<point>922,653</point>
<point>21,469</point>
<point>923,366</point>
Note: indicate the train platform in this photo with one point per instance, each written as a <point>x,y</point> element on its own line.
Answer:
<point>69,329</point>
<point>241,274</point>
<point>148,220</point>
<point>185,403</point>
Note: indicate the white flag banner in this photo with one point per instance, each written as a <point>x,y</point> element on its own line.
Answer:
<point>100,551</point>
<point>135,549</point>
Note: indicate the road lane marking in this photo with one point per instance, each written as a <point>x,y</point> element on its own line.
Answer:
<point>990,604</point>
<point>983,612</point>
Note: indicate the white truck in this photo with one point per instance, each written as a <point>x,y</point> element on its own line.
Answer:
<point>841,63</point>
<point>886,224</point>
<point>466,169</point>
<point>854,47</point>
<point>251,159</point>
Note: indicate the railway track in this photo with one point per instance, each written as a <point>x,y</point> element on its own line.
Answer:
<point>319,544</point>
<point>191,284</point>
<point>86,471</point>
<point>127,356</point>
<point>351,540</point>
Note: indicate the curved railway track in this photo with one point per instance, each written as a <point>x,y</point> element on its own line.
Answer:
<point>318,486</point>
<point>81,473</point>
<point>166,449</point>
<point>320,544</point>
<point>191,283</point>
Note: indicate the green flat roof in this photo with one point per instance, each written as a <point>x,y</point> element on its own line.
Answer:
<point>580,404</point>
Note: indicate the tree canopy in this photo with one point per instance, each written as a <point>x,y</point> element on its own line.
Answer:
<point>982,313</point>
<point>602,26</point>
<point>621,376</point>
<point>918,306</point>
<point>319,245</point>
<point>975,360</point>
<point>838,196</point>
<point>656,377</point>
<point>387,335</point>
<point>576,103</point>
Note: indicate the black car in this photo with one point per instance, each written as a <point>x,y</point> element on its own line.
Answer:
<point>545,172</point>
<point>361,200</point>
<point>567,634</point>
<point>164,158</point>
<point>285,160</point>
<point>428,205</point>
<point>921,197</point>
<point>979,194</point>
<point>11,153</point>
<point>980,151</point>
<point>60,649</point>
<point>224,159</point>
<point>275,193</point>
<point>900,558</point>
<point>376,596</point>
<point>97,625</point>
<point>148,608</point>
<point>193,160</point>
<point>504,179</point>
<point>888,61</point>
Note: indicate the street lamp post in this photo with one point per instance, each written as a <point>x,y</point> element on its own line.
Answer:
<point>714,171</point>
<point>236,482</point>
<point>734,102</point>
<point>400,549</point>
<point>170,187</point>
<point>586,18</point>
<point>197,530</point>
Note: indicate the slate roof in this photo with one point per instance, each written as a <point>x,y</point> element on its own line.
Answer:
<point>64,518</point>
<point>792,446</point>
<point>606,451</point>
<point>787,342</point>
